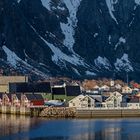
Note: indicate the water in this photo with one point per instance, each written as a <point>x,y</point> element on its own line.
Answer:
<point>26,128</point>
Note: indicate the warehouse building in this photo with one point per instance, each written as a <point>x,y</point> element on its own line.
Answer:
<point>5,80</point>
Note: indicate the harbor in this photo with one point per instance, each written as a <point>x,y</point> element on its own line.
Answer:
<point>70,112</point>
<point>18,96</point>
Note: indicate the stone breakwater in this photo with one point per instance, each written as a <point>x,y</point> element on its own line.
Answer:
<point>102,113</point>
<point>64,112</point>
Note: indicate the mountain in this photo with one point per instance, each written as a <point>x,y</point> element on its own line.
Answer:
<point>74,38</point>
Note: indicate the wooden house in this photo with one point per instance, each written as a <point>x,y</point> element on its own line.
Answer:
<point>39,101</point>
<point>16,99</point>
<point>118,87</point>
<point>113,101</point>
<point>126,89</point>
<point>30,99</point>
<point>82,101</point>
<point>6,100</point>
<point>133,103</point>
<point>26,99</point>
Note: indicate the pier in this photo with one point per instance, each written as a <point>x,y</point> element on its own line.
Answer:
<point>39,111</point>
<point>102,113</point>
<point>70,112</point>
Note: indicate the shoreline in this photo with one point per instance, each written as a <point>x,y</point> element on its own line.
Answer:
<point>69,112</point>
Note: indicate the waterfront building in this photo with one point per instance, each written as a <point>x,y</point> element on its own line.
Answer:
<point>6,80</point>
<point>30,99</point>
<point>72,90</point>
<point>58,92</point>
<point>6,99</point>
<point>38,87</point>
<point>15,99</point>
<point>133,103</point>
<point>82,101</point>
<point>113,101</point>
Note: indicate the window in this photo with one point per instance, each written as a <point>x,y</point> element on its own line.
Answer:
<point>73,104</point>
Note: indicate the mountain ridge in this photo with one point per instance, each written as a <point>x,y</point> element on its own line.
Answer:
<point>74,38</point>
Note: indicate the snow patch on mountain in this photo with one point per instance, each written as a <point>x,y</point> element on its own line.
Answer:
<point>68,28</point>
<point>18,1</point>
<point>137,2</point>
<point>123,63</point>
<point>95,35</point>
<point>59,56</point>
<point>90,73</point>
<point>102,62</point>
<point>121,40</point>
<point>109,39</point>
<point>110,5</point>
<point>46,4</point>
<point>76,71</point>
<point>14,60</point>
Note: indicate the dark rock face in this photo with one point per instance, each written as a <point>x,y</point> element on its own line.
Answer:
<point>83,38</point>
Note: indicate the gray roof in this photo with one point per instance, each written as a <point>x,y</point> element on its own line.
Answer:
<point>134,100</point>
<point>30,96</point>
<point>39,96</point>
<point>98,98</point>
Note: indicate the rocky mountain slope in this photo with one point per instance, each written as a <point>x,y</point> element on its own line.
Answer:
<point>75,38</point>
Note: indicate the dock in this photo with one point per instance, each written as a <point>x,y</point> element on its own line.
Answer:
<point>40,111</point>
<point>103,113</point>
<point>70,112</point>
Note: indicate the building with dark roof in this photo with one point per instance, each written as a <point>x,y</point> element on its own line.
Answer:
<point>42,87</point>
<point>73,90</point>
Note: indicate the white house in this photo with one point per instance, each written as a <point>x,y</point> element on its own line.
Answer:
<point>126,89</point>
<point>118,86</point>
<point>113,101</point>
<point>82,101</point>
<point>96,87</point>
<point>134,103</point>
<point>105,88</point>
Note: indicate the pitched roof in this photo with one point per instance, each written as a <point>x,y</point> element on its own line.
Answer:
<point>97,98</point>
<point>134,100</point>
<point>1,94</point>
<point>30,96</point>
<point>39,96</point>
<point>18,96</point>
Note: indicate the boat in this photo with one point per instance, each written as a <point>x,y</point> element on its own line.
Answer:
<point>55,103</point>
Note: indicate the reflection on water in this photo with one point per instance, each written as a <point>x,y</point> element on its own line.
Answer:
<point>11,125</point>
<point>26,128</point>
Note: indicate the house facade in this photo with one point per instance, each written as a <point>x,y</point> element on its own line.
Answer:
<point>82,101</point>
<point>113,101</point>
<point>16,99</point>
<point>126,89</point>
